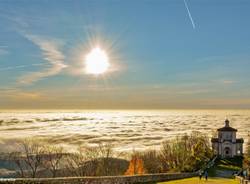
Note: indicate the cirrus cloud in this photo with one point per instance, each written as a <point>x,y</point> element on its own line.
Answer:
<point>3,50</point>
<point>51,53</point>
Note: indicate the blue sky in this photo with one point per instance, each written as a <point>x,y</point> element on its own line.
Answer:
<point>158,58</point>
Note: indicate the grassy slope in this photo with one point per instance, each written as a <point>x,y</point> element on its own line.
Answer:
<point>228,165</point>
<point>196,180</point>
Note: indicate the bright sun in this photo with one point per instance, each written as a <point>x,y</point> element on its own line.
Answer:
<point>96,61</point>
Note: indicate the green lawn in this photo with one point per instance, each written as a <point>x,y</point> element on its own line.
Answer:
<point>196,180</point>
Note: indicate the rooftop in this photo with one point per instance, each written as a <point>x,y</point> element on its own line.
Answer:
<point>227,127</point>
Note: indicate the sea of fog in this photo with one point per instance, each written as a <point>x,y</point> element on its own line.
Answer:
<point>126,130</point>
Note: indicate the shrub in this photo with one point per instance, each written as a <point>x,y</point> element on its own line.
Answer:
<point>247,156</point>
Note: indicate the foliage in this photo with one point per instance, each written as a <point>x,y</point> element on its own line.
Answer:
<point>151,161</point>
<point>186,153</point>
<point>247,156</point>
<point>135,165</point>
<point>183,154</point>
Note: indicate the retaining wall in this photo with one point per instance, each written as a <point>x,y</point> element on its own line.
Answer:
<point>242,180</point>
<point>147,178</point>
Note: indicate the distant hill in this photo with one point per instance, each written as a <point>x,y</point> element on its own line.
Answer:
<point>117,166</point>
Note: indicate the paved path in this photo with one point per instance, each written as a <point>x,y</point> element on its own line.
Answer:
<point>224,173</point>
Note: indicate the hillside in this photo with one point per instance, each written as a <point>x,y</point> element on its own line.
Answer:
<point>226,167</point>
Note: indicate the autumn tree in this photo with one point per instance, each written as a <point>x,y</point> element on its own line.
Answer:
<point>135,166</point>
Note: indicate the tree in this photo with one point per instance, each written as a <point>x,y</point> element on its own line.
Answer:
<point>99,160</point>
<point>88,161</point>
<point>75,163</point>
<point>247,156</point>
<point>151,161</point>
<point>135,165</point>
<point>52,158</point>
<point>17,158</point>
<point>186,153</point>
<point>33,155</point>
<point>106,153</point>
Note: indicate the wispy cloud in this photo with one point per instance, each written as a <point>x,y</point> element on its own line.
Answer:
<point>14,93</point>
<point>3,50</point>
<point>20,66</point>
<point>51,53</point>
<point>228,81</point>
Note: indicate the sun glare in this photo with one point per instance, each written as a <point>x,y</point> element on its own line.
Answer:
<point>96,61</point>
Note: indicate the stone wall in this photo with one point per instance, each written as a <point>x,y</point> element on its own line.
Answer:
<point>242,180</point>
<point>147,178</point>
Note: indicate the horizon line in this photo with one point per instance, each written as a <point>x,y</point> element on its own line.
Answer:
<point>123,109</point>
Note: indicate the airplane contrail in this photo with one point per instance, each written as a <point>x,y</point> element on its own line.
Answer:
<point>189,14</point>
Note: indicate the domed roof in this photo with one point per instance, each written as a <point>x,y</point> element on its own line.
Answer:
<point>227,127</point>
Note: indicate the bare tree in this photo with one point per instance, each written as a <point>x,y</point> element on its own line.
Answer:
<point>16,157</point>
<point>52,158</point>
<point>106,153</point>
<point>33,155</point>
<point>92,161</point>
<point>75,163</point>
